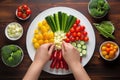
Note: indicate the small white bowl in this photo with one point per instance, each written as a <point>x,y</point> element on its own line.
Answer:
<point>15,65</point>
<point>13,38</point>
<point>116,54</point>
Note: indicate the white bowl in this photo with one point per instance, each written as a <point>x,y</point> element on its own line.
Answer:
<point>13,38</point>
<point>20,58</point>
<point>116,54</point>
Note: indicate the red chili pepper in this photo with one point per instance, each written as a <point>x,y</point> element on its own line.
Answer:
<point>57,64</point>
<point>61,64</point>
<point>53,64</point>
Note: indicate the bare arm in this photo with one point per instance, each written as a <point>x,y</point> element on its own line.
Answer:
<point>72,57</point>
<point>41,57</point>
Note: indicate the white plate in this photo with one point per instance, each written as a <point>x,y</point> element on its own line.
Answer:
<point>84,21</point>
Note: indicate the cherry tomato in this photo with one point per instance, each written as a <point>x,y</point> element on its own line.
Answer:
<point>86,39</point>
<point>72,39</point>
<point>72,30</point>
<point>76,38</point>
<point>25,7</point>
<point>74,34</point>
<point>79,34</point>
<point>68,34</point>
<point>75,26</point>
<point>77,29</point>
<point>84,33</point>
<point>24,16</point>
<point>28,11</point>
<point>82,28</point>
<point>67,40</point>
<point>19,14</point>
<point>19,9</point>
<point>77,21</point>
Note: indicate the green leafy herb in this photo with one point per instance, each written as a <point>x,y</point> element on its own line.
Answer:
<point>98,8</point>
<point>105,28</point>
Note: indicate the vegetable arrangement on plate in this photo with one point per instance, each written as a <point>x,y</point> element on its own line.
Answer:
<point>57,28</point>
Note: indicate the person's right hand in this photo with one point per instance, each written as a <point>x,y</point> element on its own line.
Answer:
<point>70,54</point>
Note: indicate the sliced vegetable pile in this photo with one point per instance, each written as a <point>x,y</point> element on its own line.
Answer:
<point>56,28</point>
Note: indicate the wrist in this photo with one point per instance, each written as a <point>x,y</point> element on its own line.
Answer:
<point>39,63</point>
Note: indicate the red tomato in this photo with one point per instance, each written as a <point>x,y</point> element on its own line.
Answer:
<point>74,34</point>
<point>82,28</point>
<point>86,39</point>
<point>72,39</point>
<point>67,40</point>
<point>77,29</point>
<point>75,26</point>
<point>24,16</point>
<point>28,11</point>
<point>19,14</point>
<point>19,9</point>
<point>79,34</point>
<point>72,30</point>
<point>77,21</point>
<point>85,33</point>
<point>25,7</point>
<point>76,38</point>
<point>68,34</point>
<point>81,38</point>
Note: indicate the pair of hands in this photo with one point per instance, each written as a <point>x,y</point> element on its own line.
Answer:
<point>70,54</point>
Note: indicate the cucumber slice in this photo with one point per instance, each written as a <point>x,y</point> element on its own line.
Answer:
<point>82,42</point>
<point>84,52</point>
<point>79,49</point>
<point>81,54</point>
<point>84,47</point>
<point>74,44</point>
<point>79,45</point>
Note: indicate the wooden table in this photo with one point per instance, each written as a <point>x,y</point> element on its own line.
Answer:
<point>97,68</point>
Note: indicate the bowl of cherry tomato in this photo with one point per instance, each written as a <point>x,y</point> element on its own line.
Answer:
<point>23,12</point>
<point>109,50</point>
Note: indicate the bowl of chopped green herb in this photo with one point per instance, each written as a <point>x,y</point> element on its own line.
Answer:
<point>98,8</point>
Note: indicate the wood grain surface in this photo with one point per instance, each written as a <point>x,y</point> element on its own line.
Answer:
<point>97,68</point>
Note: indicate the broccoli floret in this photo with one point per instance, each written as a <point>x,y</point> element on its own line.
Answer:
<point>13,47</point>
<point>17,56</point>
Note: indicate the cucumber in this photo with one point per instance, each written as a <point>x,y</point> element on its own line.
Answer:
<point>84,52</point>
<point>60,19</point>
<point>84,47</point>
<point>81,47</point>
<point>74,44</point>
<point>50,23</point>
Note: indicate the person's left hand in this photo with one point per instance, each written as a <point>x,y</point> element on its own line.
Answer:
<point>44,52</point>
